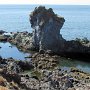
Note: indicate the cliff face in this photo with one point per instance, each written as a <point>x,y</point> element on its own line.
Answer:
<point>46,29</point>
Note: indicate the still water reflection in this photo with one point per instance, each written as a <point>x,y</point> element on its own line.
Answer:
<point>7,50</point>
<point>67,63</point>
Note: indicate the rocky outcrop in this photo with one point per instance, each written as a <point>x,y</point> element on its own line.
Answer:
<point>46,34</point>
<point>46,29</point>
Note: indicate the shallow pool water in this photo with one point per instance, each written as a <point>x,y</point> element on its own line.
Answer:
<point>7,50</point>
<point>66,64</point>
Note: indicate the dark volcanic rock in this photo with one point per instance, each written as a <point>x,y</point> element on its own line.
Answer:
<point>46,34</point>
<point>25,65</point>
<point>2,32</point>
<point>46,29</point>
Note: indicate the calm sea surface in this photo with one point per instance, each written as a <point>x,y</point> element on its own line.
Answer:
<point>77,24</point>
<point>16,18</point>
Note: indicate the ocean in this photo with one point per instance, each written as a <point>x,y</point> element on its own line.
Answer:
<point>15,18</point>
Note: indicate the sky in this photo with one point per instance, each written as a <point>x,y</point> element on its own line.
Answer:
<point>62,2</point>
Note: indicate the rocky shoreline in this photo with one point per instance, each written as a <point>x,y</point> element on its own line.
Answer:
<point>45,74</point>
<point>41,76</point>
<point>42,69</point>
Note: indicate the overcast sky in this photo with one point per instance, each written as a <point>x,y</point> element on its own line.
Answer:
<point>74,2</point>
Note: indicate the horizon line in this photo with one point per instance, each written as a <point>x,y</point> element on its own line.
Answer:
<point>45,4</point>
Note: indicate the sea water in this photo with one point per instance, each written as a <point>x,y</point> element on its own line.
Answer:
<point>77,19</point>
<point>7,50</point>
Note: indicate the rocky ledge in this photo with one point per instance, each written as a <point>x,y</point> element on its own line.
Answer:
<point>22,40</point>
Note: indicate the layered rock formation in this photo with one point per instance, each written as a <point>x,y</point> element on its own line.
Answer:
<point>46,29</point>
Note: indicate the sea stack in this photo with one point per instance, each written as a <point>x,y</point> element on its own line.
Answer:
<point>46,30</point>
